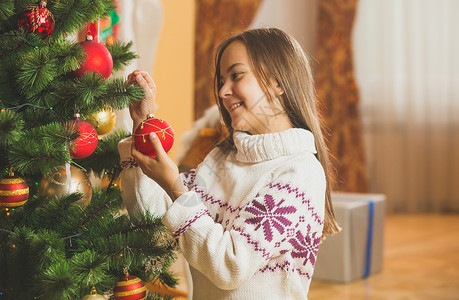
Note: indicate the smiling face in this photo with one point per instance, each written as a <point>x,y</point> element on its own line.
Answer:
<point>243,98</point>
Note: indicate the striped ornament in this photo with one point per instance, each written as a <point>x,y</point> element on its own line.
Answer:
<point>130,288</point>
<point>13,191</point>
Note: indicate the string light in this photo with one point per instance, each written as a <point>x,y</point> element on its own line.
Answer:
<point>27,104</point>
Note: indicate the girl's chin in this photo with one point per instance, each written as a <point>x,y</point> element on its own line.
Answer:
<point>237,126</point>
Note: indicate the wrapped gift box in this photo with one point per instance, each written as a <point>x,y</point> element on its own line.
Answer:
<point>356,251</point>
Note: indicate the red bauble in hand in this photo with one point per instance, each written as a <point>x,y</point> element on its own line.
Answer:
<point>37,18</point>
<point>86,143</point>
<point>162,129</point>
<point>130,288</point>
<point>98,59</point>
<point>13,191</point>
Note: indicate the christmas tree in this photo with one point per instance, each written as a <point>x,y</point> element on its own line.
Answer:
<point>60,237</point>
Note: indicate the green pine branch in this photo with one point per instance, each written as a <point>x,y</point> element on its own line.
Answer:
<point>121,54</point>
<point>67,55</point>
<point>53,247</point>
<point>36,72</point>
<point>6,10</point>
<point>107,242</point>
<point>42,148</point>
<point>11,126</point>
<point>71,15</point>
<point>119,94</point>
<point>57,282</point>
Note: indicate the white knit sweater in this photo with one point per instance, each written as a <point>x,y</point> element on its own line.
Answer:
<point>251,222</point>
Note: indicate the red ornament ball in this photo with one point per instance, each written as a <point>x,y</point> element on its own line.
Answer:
<point>130,288</point>
<point>37,18</point>
<point>162,129</point>
<point>13,191</point>
<point>98,59</point>
<point>86,143</point>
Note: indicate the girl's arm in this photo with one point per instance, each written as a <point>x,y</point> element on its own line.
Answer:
<point>162,169</point>
<point>139,192</point>
<point>283,218</point>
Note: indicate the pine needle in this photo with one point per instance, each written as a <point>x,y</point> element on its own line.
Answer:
<point>122,54</point>
<point>37,71</point>
<point>42,148</point>
<point>6,10</point>
<point>11,126</point>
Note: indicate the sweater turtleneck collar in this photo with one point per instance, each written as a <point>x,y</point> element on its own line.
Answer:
<point>261,147</point>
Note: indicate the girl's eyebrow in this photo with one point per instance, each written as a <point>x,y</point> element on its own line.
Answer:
<point>232,66</point>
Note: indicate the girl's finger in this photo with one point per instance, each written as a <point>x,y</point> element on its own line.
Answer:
<point>149,94</point>
<point>131,77</point>
<point>148,79</point>
<point>156,143</point>
<point>143,82</point>
<point>137,155</point>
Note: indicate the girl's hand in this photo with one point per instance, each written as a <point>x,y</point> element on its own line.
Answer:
<point>162,169</point>
<point>140,109</point>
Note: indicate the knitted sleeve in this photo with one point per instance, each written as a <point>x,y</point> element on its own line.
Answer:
<point>139,192</point>
<point>282,219</point>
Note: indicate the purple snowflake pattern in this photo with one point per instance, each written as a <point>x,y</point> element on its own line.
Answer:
<point>270,215</point>
<point>305,246</point>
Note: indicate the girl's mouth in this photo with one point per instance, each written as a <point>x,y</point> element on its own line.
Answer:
<point>235,105</point>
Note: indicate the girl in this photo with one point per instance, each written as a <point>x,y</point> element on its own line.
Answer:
<point>249,219</point>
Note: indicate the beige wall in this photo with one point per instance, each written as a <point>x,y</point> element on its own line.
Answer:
<point>174,67</point>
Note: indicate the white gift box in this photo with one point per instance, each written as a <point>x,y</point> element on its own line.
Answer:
<point>356,251</point>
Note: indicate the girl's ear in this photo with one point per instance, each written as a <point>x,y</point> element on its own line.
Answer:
<point>277,87</point>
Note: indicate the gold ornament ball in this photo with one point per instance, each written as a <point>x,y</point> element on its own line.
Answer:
<point>103,121</point>
<point>57,184</point>
<point>94,297</point>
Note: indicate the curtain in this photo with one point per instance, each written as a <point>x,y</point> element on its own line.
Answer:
<point>215,21</point>
<point>338,95</point>
<point>407,66</point>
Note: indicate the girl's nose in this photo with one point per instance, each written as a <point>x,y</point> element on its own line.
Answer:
<point>225,91</point>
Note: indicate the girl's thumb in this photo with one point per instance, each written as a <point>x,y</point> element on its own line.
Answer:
<point>156,143</point>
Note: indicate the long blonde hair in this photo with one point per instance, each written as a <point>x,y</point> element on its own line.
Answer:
<point>275,54</point>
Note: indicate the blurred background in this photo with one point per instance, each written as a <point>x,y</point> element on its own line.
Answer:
<point>387,75</point>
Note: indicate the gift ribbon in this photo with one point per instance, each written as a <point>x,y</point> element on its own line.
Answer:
<point>371,213</point>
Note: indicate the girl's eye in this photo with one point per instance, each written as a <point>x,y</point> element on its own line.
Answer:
<point>235,75</point>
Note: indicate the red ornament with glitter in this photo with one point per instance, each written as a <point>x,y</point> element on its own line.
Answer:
<point>130,288</point>
<point>86,143</point>
<point>98,59</point>
<point>37,18</point>
<point>162,129</point>
<point>14,191</point>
